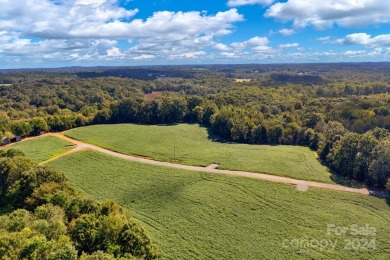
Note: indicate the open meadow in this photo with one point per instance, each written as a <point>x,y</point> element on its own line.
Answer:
<point>193,215</point>
<point>191,145</point>
<point>42,148</point>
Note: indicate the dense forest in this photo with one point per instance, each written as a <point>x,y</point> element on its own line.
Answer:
<point>342,111</point>
<point>48,219</point>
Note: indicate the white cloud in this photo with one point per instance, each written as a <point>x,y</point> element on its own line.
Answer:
<point>252,47</point>
<point>170,26</point>
<point>365,39</point>
<point>74,27</point>
<point>256,41</point>
<point>288,45</point>
<point>89,31</point>
<point>250,50</point>
<point>234,3</point>
<point>287,32</point>
<point>221,47</point>
<point>106,19</point>
<point>13,47</point>
<point>356,38</point>
<point>325,39</point>
<point>230,55</point>
<point>262,49</point>
<point>251,43</point>
<point>143,57</point>
<point>323,14</point>
<point>60,19</point>
<point>90,2</point>
<point>354,53</point>
<point>189,55</point>
<point>115,52</point>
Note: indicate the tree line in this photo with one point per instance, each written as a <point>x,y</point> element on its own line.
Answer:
<point>262,111</point>
<point>363,157</point>
<point>44,217</point>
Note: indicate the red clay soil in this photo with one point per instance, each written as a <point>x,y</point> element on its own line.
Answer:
<point>153,95</point>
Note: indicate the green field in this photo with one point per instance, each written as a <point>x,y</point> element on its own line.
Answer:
<point>189,144</point>
<point>192,215</point>
<point>43,148</point>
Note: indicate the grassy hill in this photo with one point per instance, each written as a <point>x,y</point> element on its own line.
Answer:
<point>42,148</point>
<point>193,215</point>
<point>190,144</point>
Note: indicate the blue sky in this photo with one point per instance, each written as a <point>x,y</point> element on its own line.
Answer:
<point>56,33</point>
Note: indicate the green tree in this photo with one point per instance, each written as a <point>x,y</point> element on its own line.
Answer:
<point>275,134</point>
<point>352,156</point>
<point>11,169</point>
<point>330,135</point>
<point>290,133</point>
<point>311,119</point>
<point>172,109</point>
<point>379,133</point>
<point>30,180</point>
<point>86,233</point>
<point>257,134</point>
<point>22,129</point>
<point>39,125</point>
<point>198,114</point>
<point>4,121</point>
<point>126,111</point>
<point>209,110</point>
<point>102,116</point>
<point>379,171</point>
<point>379,168</point>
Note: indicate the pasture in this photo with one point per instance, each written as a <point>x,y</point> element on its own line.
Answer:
<point>192,215</point>
<point>42,148</point>
<point>191,145</point>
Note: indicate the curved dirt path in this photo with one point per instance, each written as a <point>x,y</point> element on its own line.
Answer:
<point>301,184</point>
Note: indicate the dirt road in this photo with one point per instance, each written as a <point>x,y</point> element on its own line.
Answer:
<point>299,183</point>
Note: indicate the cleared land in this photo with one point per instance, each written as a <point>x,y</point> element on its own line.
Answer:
<point>193,215</point>
<point>191,145</point>
<point>42,148</point>
<point>243,80</point>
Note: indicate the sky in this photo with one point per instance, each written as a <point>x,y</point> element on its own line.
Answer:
<point>62,33</point>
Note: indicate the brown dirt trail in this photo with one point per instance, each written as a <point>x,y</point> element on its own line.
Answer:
<point>263,176</point>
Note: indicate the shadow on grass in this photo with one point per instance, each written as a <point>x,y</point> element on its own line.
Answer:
<point>380,193</point>
<point>166,124</point>
<point>213,137</point>
<point>357,184</point>
<point>337,178</point>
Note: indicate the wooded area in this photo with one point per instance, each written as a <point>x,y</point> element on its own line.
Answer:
<point>49,219</point>
<point>342,111</point>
